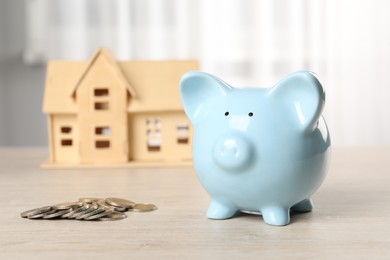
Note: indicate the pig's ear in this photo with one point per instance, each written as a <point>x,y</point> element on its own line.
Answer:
<point>301,98</point>
<point>198,91</point>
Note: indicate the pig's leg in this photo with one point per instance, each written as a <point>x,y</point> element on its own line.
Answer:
<point>221,209</point>
<point>304,206</point>
<point>277,216</point>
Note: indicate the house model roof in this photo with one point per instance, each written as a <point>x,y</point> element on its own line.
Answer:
<point>152,85</point>
<point>110,59</point>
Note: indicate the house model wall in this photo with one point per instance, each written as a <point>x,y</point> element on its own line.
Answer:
<point>124,113</point>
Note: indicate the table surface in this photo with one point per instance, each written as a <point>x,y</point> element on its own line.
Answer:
<point>351,218</point>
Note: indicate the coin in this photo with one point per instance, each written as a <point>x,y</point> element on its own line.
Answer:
<point>120,209</point>
<point>94,212</point>
<point>103,203</point>
<point>56,214</point>
<point>100,215</point>
<point>141,207</point>
<point>115,206</point>
<point>68,205</point>
<point>73,213</point>
<point>89,200</point>
<point>113,216</point>
<point>33,212</point>
<point>119,202</point>
<point>37,216</point>
<point>92,207</point>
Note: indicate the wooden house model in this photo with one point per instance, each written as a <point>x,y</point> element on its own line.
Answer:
<point>104,112</point>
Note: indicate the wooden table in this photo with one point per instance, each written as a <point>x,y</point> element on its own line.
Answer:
<point>351,219</point>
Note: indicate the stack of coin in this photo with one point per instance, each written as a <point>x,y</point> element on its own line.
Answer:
<point>89,209</point>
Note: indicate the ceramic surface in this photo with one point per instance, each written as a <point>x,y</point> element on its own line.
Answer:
<point>258,149</point>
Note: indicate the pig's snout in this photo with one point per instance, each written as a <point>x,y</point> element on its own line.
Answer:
<point>233,152</point>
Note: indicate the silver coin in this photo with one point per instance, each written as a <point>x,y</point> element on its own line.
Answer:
<point>113,216</point>
<point>33,212</point>
<point>119,202</point>
<point>89,200</point>
<point>67,205</point>
<point>141,207</point>
<point>100,215</point>
<point>120,209</point>
<point>84,216</point>
<point>38,216</point>
<point>102,203</point>
<point>116,207</point>
<point>92,207</point>
<point>59,213</point>
<point>74,213</point>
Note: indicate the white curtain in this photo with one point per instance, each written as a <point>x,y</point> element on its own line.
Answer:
<point>245,42</point>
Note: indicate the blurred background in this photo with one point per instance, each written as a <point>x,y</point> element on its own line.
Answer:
<point>245,42</point>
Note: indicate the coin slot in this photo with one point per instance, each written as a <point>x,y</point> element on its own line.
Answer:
<point>66,130</point>
<point>103,130</point>
<point>102,144</point>
<point>66,142</point>
<point>101,106</point>
<point>101,92</point>
<point>183,133</point>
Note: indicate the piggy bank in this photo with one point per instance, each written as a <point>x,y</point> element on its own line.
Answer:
<point>258,149</point>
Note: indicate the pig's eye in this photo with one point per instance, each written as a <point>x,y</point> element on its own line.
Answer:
<point>226,113</point>
<point>250,114</point>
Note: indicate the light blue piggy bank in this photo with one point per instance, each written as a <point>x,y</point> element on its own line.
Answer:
<point>258,149</point>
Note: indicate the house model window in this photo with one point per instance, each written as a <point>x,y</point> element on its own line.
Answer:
<point>102,135</point>
<point>101,106</point>
<point>183,133</point>
<point>104,131</point>
<point>102,144</point>
<point>66,130</point>
<point>153,132</point>
<point>101,92</point>
<point>101,96</point>
<point>66,142</point>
